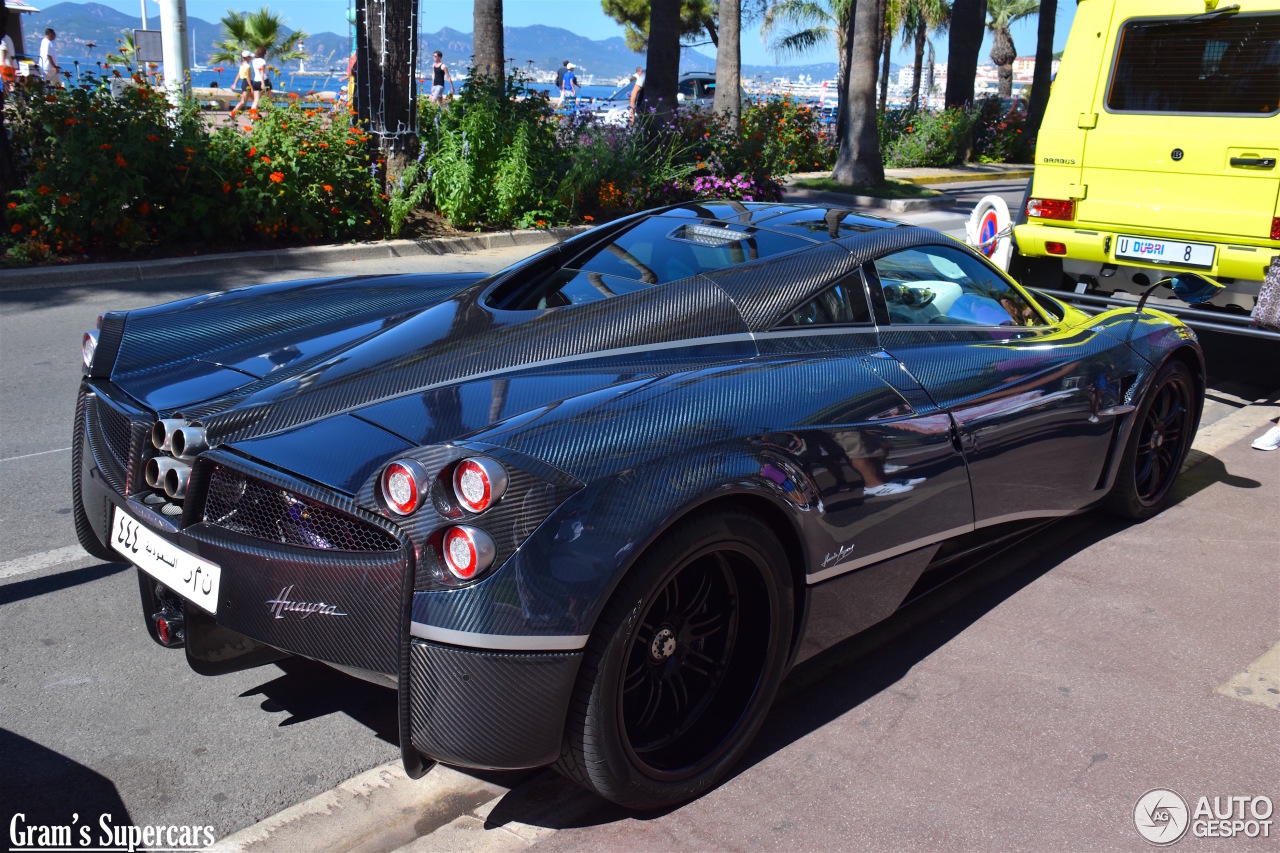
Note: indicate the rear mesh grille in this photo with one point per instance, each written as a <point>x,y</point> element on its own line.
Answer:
<point>114,427</point>
<point>254,508</point>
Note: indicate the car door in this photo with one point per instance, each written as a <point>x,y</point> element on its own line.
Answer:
<point>1035,404</point>
<point>888,477</point>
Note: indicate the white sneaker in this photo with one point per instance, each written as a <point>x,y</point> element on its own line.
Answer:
<point>894,487</point>
<point>1269,440</point>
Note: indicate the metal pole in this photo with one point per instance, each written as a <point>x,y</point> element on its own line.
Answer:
<point>173,36</point>
<point>144,13</point>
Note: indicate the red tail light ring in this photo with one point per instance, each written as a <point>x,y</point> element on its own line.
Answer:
<point>1275,228</point>
<point>467,552</point>
<point>403,483</point>
<point>478,483</point>
<point>1051,208</point>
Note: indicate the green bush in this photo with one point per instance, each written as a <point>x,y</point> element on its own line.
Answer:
<point>923,138</point>
<point>999,133</point>
<point>491,155</point>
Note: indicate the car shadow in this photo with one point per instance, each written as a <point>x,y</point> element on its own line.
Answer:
<point>48,788</point>
<point>45,584</point>
<point>307,690</point>
<point>838,680</point>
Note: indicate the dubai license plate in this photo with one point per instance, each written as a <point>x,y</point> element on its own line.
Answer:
<point>190,576</point>
<point>1157,251</point>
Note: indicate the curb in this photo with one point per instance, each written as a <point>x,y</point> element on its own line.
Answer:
<point>86,275</point>
<point>897,205</point>
<point>966,177</point>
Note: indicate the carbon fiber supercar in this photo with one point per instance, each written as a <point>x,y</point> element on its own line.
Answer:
<point>589,510</point>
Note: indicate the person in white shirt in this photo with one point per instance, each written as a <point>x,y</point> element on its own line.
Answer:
<point>8,61</point>
<point>261,76</point>
<point>48,62</point>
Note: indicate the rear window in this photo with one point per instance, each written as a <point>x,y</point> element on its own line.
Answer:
<point>1226,65</point>
<point>652,252</point>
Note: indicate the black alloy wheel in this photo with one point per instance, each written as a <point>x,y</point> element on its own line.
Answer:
<point>1161,438</point>
<point>683,664</point>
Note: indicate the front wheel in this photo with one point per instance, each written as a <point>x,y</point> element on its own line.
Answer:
<point>683,664</point>
<point>1158,445</point>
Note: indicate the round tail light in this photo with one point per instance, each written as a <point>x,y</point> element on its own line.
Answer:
<point>478,483</point>
<point>468,551</point>
<point>402,484</point>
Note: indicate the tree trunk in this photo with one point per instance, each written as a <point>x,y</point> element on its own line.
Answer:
<point>842,84</point>
<point>1044,68</point>
<point>386,87</point>
<point>1002,54</point>
<point>919,67</point>
<point>859,161</point>
<point>8,174</point>
<point>729,64</point>
<point>964,43</point>
<point>662,60</point>
<point>886,49</point>
<point>490,56</point>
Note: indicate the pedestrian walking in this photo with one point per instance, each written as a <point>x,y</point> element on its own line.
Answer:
<point>8,62</point>
<point>242,82</point>
<point>560,72</point>
<point>637,92</point>
<point>48,62</point>
<point>439,74</point>
<point>569,86</point>
<point>261,80</point>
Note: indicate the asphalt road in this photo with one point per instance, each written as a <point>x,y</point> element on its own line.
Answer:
<point>89,705</point>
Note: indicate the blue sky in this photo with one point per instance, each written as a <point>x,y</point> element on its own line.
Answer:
<point>584,17</point>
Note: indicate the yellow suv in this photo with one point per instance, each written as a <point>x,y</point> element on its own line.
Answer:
<point>1159,148</point>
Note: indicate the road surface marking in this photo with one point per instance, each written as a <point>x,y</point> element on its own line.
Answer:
<point>29,455</point>
<point>43,560</point>
<point>1260,683</point>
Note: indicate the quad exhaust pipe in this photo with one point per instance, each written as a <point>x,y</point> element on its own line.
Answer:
<point>162,432</point>
<point>169,475</point>
<point>187,441</point>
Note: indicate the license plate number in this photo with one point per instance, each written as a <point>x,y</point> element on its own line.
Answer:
<point>193,578</point>
<point>1164,251</point>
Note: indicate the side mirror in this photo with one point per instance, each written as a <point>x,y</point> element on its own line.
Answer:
<point>1193,289</point>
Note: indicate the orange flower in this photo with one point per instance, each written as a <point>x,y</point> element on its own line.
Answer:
<point>17,229</point>
<point>323,144</point>
<point>121,162</point>
<point>191,150</point>
<point>226,187</point>
<point>247,127</point>
<point>327,188</point>
<point>589,219</point>
<point>71,121</point>
<point>13,205</point>
<point>145,207</point>
<point>151,137</point>
<point>253,150</point>
<point>44,190</point>
<point>106,146</point>
<point>277,177</point>
<point>293,95</point>
<point>541,222</point>
<point>331,210</point>
<point>352,142</point>
<point>266,159</point>
<point>64,199</point>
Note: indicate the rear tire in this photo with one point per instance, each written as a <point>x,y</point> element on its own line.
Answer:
<point>1158,445</point>
<point>683,664</point>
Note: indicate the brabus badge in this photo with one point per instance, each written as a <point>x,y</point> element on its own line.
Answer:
<point>282,604</point>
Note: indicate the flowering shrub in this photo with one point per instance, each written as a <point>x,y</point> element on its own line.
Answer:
<point>740,187</point>
<point>781,136</point>
<point>999,133</point>
<point>109,173</point>
<point>301,173</point>
<point>923,138</point>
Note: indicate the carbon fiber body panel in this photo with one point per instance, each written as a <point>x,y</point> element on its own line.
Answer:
<point>867,449</point>
<point>490,710</point>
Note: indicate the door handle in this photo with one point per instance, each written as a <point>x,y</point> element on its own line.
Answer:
<point>1260,162</point>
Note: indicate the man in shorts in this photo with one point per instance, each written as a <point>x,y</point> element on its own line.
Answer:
<point>439,74</point>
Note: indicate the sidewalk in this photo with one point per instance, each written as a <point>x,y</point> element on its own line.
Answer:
<point>923,176</point>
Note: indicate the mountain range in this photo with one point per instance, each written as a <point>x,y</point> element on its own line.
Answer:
<point>81,24</point>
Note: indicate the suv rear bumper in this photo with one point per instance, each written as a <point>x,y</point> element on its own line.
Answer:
<point>1247,265</point>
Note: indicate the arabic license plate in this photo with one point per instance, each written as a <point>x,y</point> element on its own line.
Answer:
<point>181,571</point>
<point>1157,251</point>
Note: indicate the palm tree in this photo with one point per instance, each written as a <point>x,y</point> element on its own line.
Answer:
<point>918,18</point>
<point>662,59</point>
<point>126,53</point>
<point>263,28</point>
<point>888,26</point>
<point>964,43</point>
<point>1000,14</point>
<point>1044,67</point>
<point>728,100</point>
<point>859,162</point>
<point>490,56</point>
<point>816,22</point>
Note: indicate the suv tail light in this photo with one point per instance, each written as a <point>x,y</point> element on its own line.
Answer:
<point>1275,228</point>
<point>1051,208</point>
